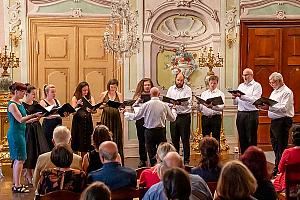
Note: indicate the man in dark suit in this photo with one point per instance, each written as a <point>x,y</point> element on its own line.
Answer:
<point>112,173</point>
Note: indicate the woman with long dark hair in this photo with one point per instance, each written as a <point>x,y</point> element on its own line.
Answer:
<point>143,87</point>
<point>209,168</point>
<point>82,124</point>
<point>35,138</point>
<point>17,118</point>
<point>111,116</point>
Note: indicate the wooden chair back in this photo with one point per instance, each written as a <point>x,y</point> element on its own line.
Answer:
<point>139,171</point>
<point>60,195</point>
<point>292,181</point>
<point>212,187</point>
<point>125,194</point>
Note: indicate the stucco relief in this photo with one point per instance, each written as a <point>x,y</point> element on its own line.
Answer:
<point>14,16</point>
<point>182,26</point>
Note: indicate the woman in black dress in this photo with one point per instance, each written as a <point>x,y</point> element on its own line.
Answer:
<point>82,124</point>
<point>111,116</point>
<point>36,143</point>
<point>51,121</point>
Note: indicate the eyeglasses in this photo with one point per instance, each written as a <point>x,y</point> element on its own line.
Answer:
<point>246,74</point>
<point>272,82</point>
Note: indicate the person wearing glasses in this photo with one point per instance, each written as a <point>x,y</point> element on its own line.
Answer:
<point>281,115</point>
<point>247,116</point>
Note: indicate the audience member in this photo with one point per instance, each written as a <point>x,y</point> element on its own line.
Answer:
<point>208,168</point>
<point>236,182</point>
<point>96,191</point>
<point>61,135</point>
<point>150,176</point>
<point>112,173</point>
<point>199,189</point>
<point>289,156</point>
<point>91,160</point>
<point>177,185</point>
<point>62,177</point>
<point>254,158</point>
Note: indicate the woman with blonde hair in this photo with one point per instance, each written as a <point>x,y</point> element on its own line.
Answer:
<point>236,182</point>
<point>150,176</point>
<point>50,122</point>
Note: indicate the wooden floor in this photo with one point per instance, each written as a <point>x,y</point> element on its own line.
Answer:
<point>6,182</point>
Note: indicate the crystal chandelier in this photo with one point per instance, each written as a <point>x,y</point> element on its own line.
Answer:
<point>121,35</point>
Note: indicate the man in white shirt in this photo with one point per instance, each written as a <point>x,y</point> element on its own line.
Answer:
<point>281,115</point>
<point>212,115</point>
<point>181,127</point>
<point>155,112</point>
<point>247,116</point>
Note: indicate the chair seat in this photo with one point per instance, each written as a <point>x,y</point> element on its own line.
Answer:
<point>125,193</point>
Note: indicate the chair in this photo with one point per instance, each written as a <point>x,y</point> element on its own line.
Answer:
<point>212,186</point>
<point>60,195</point>
<point>128,193</point>
<point>139,171</point>
<point>292,181</point>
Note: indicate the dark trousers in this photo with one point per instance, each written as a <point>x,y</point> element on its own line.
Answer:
<point>153,137</point>
<point>140,130</point>
<point>181,128</point>
<point>247,124</point>
<point>211,124</point>
<point>279,134</point>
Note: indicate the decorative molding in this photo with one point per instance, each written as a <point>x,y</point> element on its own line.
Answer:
<point>14,16</point>
<point>182,26</point>
<point>246,6</point>
<point>231,17</point>
<point>101,2</point>
<point>76,12</point>
<point>280,14</point>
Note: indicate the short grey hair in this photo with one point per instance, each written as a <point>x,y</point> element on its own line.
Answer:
<point>276,76</point>
<point>106,153</point>
<point>61,134</point>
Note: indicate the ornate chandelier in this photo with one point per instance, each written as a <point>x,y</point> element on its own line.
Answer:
<point>8,60</point>
<point>208,59</point>
<point>121,35</point>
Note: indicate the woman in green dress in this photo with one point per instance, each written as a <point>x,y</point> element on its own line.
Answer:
<point>111,116</point>
<point>16,133</point>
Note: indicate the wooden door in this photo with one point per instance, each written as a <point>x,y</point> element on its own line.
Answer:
<point>65,52</point>
<point>267,47</point>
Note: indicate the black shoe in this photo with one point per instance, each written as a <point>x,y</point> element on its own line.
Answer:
<point>142,164</point>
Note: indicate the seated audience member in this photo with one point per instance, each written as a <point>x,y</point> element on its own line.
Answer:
<point>236,182</point>
<point>177,184</point>
<point>150,176</point>
<point>91,160</point>
<point>61,135</point>
<point>199,189</point>
<point>112,173</point>
<point>254,158</point>
<point>289,156</point>
<point>208,168</point>
<point>62,177</point>
<point>96,191</point>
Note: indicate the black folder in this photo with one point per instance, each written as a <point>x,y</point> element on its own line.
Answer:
<point>236,92</point>
<point>175,101</point>
<point>145,97</point>
<point>65,108</point>
<point>50,110</point>
<point>87,104</point>
<point>214,101</point>
<point>264,100</point>
<point>117,104</point>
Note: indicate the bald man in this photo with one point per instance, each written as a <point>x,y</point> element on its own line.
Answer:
<point>199,189</point>
<point>180,128</point>
<point>247,116</point>
<point>155,113</point>
<point>112,173</point>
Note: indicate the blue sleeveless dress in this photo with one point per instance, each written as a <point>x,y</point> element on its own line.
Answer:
<point>16,135</point>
